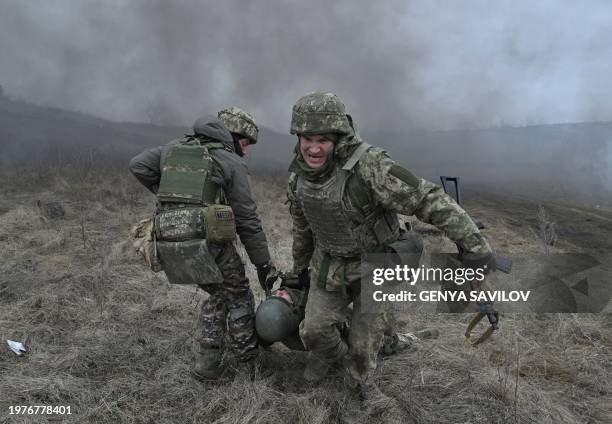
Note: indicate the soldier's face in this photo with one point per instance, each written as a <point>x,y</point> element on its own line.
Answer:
<point>244,145</point>
<point>315,149</point>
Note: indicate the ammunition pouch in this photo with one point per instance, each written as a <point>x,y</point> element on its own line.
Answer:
<point>214,223</point>
<point>180,224</point>
<point>219,223</point>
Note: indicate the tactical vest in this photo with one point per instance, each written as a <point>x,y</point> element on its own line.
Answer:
<point>340,225</point>
<point>191,205</point>
<point>186,174</point>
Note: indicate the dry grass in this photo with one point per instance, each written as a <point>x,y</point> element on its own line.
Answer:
<point>114,341</point>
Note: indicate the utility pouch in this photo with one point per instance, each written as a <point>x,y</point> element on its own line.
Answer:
<point>386,228</point>
<point>407,250</point>
<point>144,243</point>
<point>180,224</point>
<point>219,223</point>
<point>189,262</point>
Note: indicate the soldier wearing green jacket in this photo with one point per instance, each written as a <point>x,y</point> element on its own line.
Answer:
<point>344,199</point>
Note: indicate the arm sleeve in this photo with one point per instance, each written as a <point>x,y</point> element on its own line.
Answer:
<point>399,190</point>
<point>234,179</point>
<point>146,167</point>
<point>303,242</point>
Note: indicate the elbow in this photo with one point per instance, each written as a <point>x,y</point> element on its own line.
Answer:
<point>134,166</point>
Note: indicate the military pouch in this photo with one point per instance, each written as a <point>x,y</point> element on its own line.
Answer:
<point>407,250</point>
<point>180,224</point>
<point>145,243</point>
<point>386,228</point>
<point>189,262</point>
<point>220,224</point>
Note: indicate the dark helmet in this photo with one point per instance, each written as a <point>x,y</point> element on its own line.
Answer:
<point>277,318</point>
<point>320,113</point>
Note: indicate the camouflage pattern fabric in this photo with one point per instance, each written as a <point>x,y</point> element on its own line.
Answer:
<point>320,113</point>
<point>418,197</point>
<point>378,182</point>
<point>421,198</point>
<point>240,122</point>
<point>227,316</point>
<point>326,314</point>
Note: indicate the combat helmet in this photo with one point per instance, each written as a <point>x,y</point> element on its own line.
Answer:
<point>277,318</point>
<point>238,121</point>
<point>320,113</point>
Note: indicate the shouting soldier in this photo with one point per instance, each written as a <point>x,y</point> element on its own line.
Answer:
<point>344,198</point>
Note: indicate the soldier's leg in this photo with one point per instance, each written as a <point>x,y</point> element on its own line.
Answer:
<point>212,328</point>
<point>365,340</point>
<point>212,318</point>
<point>240,304</point>
<point>321,330</point>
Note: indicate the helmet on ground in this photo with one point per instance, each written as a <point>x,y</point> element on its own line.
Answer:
<point>320,113</point>
<point>238,121</point>
<point>277,318</point>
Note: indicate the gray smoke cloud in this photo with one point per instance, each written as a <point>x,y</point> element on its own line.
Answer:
<point>396,64</point>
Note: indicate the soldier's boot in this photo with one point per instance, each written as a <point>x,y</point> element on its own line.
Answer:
<point>397,343</point>
<point>247,363</point>
<point>208,364</point>
<point>317,367</point>
<point>401,342</point>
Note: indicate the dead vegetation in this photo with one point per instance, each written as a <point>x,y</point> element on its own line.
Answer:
<point>114,341</point>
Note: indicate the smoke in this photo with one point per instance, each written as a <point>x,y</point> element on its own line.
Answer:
<point>396,64</point>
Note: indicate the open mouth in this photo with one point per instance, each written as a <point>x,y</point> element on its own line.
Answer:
<point>315,159</point>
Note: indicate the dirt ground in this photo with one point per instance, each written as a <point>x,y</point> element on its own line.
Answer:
<point>114,341</point>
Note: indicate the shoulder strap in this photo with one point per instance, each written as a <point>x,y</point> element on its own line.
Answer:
<point>354,158</point>
<point>214,145</point>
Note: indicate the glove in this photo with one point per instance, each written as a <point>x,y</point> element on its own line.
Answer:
<point>267,275</point>
<point>304,278</point>
<point>487,261</point>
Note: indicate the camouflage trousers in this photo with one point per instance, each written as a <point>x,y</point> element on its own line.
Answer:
<point>325,318</point>
<point>227,317</point>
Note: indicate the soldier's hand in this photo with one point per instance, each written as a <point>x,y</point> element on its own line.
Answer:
<point>304,278</point>
<point>486,262</point>
<point>267,275</point>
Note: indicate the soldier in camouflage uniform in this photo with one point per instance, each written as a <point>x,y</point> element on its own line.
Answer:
<point>344,197</point>
<point>228,313</point>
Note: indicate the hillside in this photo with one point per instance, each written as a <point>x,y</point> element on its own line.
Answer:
<point>563,161</point>
<point>36,136</point>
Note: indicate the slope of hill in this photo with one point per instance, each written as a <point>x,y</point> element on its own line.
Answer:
<point>562,160</point>
<point>36,136</point>
<point>553,161</point>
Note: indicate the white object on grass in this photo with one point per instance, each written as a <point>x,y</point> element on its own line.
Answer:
<point>16,347</point>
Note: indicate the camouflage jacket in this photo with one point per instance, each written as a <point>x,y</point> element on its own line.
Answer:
<point>230,174</point>
<point>397,189</point>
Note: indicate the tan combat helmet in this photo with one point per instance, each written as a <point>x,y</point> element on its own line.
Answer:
<point>320,113</point>
<point>238,121</point>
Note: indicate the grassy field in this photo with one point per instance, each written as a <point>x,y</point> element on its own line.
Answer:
<point>115,342</point>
